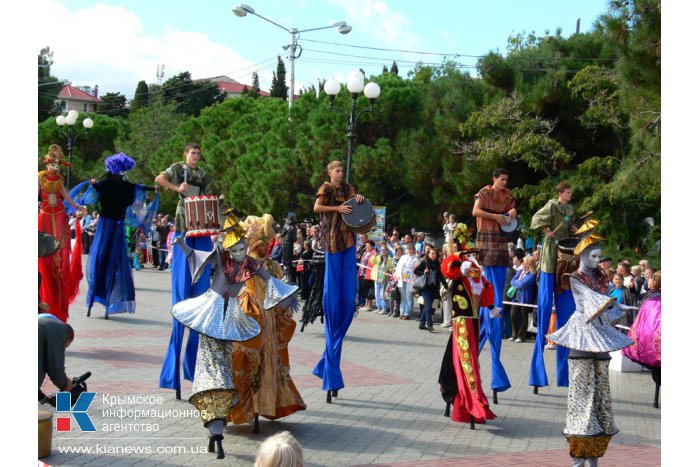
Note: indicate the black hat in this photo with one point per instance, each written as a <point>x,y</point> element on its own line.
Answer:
<point>605,258</point>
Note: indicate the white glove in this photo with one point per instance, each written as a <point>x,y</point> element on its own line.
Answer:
<point>465,267</point>
<point>495,312</point>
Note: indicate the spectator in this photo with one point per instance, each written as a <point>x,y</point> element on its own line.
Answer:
<point>430,267</point>
<point>382,265</point>
<point>623,268</point>
<point>155,241</point>
<point>606,266</point>
<point>393,288</point>
<point>365,276</point>
<point>449,225</point>
<point>420,244</point>
<point>163,229</point>
<point>276,252</point>
<point>524,282</point>
<point>648,274</point>
<point>280,450</point>
<point>623,295</point>
<point>404,271</point>
<point>305,271</point>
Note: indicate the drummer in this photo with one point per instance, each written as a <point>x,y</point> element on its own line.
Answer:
<point>188,179</point>
<point>556,221</point>
<point>340,285</point>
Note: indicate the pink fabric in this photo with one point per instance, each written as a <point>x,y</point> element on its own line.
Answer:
<point>646,333</point>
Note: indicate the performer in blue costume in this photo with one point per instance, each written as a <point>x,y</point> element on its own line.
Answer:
<point>187,179</point>
<point>556,221</point>
<point>109,275</point>
<point>340,285</point>
<point>494,206</point>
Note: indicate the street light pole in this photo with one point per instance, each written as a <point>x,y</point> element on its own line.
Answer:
<point>72,134</point>
<point>355,84</point>
<point>243,9</point>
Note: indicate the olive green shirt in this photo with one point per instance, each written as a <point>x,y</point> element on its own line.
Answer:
<point>197,179</point>
<point>551,215</point>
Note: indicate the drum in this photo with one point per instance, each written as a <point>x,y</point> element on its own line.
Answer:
<point>567,262</point>
<point>45,433</point>
<point>510,226</point>
<point>202,215</point>
<point>362,219</point>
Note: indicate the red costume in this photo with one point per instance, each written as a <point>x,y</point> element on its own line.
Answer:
<point>459,379</point>
<point>60,272</point>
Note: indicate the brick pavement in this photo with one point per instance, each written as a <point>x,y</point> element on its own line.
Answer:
<point>390,412</point>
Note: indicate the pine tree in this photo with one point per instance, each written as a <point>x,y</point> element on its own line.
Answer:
<point>255,90</point>
<point>140,96</point>
<point>279,89</point>
<point>385,69</point>
<point>394,68</point>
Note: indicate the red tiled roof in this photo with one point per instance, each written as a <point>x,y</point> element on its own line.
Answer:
<point>236,88</point>
<point>69,92</point>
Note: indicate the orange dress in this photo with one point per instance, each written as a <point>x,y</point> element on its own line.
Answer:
<point>60,272</point>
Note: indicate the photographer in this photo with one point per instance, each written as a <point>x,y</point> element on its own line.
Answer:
<point>54,337</point>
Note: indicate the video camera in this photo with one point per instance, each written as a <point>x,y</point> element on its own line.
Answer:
<point>79,387</point>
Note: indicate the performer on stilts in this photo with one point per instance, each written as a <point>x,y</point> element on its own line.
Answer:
<point>188,179</point>
<point>340,285</point>
<point>223,315</point>
<point>460,379</point>
<point>556,221</point>
<point>109,276</point>
<point>494,206</point>
<point>590,335</point>
<point>261,365</point>
<point>60,272</point>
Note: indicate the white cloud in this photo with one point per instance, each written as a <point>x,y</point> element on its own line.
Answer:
<point>376,19</point>
<point>107,45</point>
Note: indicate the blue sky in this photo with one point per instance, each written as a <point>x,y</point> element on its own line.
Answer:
<point>116,43</point>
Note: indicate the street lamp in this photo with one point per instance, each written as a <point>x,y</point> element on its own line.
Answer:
<point>355,84</point>
<point>71,133</point>
<point>293,48</point>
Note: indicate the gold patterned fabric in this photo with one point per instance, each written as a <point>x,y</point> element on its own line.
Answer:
<point>590,446</point>
<point>213,404</point>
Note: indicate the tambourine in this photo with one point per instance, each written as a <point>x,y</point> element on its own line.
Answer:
<point>511,226</point>
<point>362,219</point>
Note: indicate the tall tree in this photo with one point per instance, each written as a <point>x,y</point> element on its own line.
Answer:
<point>255,90</point>
<point>279,89</point>
<point>394,68</point>
<point>49,86</point>
<point>191,97</point>
<point>140,96</point>
<point>113,104</point>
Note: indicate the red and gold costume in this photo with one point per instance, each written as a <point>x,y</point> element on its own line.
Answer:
<point>62,271</point>
<point>459,379</point>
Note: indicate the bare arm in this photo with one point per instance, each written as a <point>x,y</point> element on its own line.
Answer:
<point>319,207</point>
<point>163,181</point>
<point>70,201</point>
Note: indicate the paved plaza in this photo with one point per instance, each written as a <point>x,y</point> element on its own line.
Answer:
<point>390,412</point>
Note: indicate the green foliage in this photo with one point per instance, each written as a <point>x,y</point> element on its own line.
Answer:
<point>49,86</point>
<point>394,68</point>
<point>141,96</point>
<point>255,90</point>
<point>89,148</point>
<point>279,89</point>
<point>191,97</point>
<point>113,104</point>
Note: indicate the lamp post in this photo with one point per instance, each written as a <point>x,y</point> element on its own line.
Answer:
<point>71,133</point>
<point>293,48</point>
<point>355,84</point>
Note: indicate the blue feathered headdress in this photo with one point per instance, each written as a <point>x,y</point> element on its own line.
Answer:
<point>119,163</point>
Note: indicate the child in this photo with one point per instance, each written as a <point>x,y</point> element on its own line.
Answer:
<point>280,450</point>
